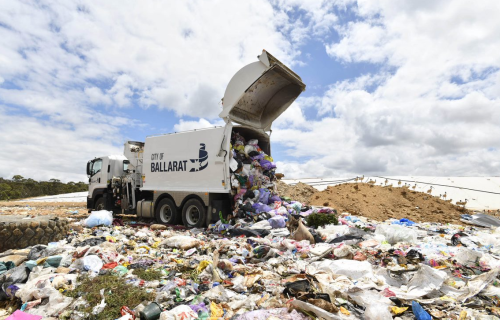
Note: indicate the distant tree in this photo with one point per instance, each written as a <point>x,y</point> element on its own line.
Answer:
<point>17,178</point>
<point>19,187</point>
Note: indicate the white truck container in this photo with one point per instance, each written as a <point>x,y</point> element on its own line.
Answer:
<point>185,176</point>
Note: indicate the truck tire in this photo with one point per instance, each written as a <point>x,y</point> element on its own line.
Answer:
<point>16,233</point>
<point>166,212</point>
<point>194,214</point>
<point>100,204</point>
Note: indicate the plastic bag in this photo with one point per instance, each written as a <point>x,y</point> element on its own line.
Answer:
<point>426,280</point>
<point>264,196</point>
<point>377,305</point>
<point>181,242</point>
<point>377,311</point>
<point>394,233</point>
<point>37,252</point>
<point>352,268</point>
<point>97,218</point>
<point>419,312</point>
<point>253,142</point>
<point>92,263</point>
<point>277,222</point>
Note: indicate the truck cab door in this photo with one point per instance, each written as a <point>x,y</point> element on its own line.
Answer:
<point>97,170</point>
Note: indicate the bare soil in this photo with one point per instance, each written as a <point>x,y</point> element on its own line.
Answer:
<point>381,203</point>
<point>64,209</point>
<point>300,192</point>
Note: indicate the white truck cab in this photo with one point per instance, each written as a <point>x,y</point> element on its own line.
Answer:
<point>100,171</point>
<point>185,176</point>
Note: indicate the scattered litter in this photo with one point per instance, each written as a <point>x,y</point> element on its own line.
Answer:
<point>270,258</point>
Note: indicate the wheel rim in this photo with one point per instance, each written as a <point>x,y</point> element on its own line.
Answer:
<point>192,215</point>
<point>100,206</point>
<point>166,213</point>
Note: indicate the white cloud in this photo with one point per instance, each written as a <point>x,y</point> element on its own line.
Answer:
<point>433,107</point>
<point>430,105</point>
<point>96,96</point>
<point>44,149</point>
<point>69,66</point>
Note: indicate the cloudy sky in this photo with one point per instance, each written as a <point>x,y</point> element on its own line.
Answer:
<point>393,87</point>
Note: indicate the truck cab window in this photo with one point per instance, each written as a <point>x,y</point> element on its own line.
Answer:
<point>125,165</point>
<point>96,166</point>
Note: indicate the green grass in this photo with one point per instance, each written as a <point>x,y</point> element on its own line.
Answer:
<point>148,275</point>
<point>116,293</point>
<point>320,219</point>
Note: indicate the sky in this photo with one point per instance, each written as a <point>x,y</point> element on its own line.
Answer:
<point>393,87</point>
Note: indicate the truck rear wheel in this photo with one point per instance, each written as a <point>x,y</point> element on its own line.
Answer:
<point>194,214</point>
<point>166,212</point>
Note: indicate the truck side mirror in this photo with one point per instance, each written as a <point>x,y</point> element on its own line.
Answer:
<point>88,168</point>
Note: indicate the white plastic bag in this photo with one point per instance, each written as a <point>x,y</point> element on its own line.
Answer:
<point>352,268</point>
<point>181,242</point>
<point>394,233</point>
<point>426,280</point>
<point>377,306</point>
<point>97,218</point>
<point>182,312</point>
<point>263,224</point>
<point>332,231</point>
<point>92,263</point>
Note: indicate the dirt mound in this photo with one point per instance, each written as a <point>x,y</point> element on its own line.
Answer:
<point>382,203</point>
<point>300,192</point>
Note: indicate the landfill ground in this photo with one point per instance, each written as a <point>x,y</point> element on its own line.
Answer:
<point>383,259</point>
<point>378,202</point>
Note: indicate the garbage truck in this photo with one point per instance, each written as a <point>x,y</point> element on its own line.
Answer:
<point>184,177</point>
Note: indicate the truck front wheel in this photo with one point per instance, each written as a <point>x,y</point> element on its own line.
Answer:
<point>194,214</point>
<point>99,204</point>
<point>166,212</point>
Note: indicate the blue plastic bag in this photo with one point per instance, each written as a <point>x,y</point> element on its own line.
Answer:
<point>277,222</point>
<point>419,312</point>
<point>405,222</point>
<point>264,196</point>
<point>97,218</point>
<point>260,207</point>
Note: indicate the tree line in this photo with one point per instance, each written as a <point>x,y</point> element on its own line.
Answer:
<point>18,187</point>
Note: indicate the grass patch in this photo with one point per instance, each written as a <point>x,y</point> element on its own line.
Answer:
<point>148,275</point>
<point>116,292</point>
<point>320,219</point>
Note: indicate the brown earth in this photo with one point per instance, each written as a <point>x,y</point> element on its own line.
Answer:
<point>65,209</point>
<point>380,203</point>
<point>300,192</point>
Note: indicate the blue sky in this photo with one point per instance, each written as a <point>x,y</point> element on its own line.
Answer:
<point>393,88</point>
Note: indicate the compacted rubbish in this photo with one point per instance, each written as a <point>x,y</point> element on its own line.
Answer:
<point>269,258</point>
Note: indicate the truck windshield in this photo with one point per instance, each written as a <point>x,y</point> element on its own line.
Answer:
<point>96,167</point>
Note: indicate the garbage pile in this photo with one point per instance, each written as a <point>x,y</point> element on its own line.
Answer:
<point>356,268</point>
<point>252,180</point>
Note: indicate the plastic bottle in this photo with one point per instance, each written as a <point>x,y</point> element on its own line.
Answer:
<point>419,312</point>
